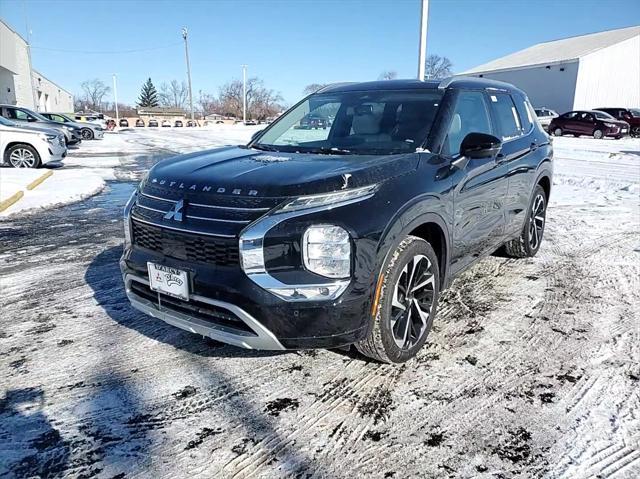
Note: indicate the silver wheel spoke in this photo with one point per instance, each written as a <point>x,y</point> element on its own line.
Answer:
<point>429,280</point>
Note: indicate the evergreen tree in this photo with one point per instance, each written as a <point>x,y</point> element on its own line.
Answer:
<point>148,95</point>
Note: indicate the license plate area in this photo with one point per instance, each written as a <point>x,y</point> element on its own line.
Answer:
<point>167,280</point>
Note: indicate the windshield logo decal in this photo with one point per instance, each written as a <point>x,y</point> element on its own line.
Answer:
<point>176,212</point>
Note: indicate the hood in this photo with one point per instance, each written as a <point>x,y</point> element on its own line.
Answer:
<point>258,173</point>
<point>36,129</point>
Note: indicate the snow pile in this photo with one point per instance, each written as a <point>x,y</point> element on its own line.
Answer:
<point>63,187</point>
<point>14,180</point>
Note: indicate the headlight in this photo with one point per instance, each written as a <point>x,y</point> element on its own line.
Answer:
<point>337,198</point>
<point>326,250</point>
<point>610,125</point>
<point>48,137</point>
<point>68,128</point>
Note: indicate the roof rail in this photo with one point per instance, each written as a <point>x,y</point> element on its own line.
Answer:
<point>332,85</point>
<point>445,83</point>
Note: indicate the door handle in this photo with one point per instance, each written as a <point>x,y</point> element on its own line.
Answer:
<point>534,146</point>
<point>500,158</point>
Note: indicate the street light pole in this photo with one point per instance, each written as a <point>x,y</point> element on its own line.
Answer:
<point>115,96</point>
<point>244,93</point>
<point>186,54</point>
<point>422,54</point>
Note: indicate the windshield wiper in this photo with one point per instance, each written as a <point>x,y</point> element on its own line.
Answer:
<point>330,151</point>
<point>262,147</point>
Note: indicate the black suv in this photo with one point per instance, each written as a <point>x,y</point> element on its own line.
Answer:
<point>327,238</point>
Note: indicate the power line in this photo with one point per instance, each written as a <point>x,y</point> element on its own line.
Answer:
<point>106,52</point>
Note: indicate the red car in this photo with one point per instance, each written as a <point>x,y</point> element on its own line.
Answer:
<point>630,115</point>
<point>588,122</point>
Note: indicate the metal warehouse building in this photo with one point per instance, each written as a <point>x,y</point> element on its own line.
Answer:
<point>20,84</point>
<point>589,71</point>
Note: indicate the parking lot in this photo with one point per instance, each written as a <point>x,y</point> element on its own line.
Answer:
<point>531,368</point>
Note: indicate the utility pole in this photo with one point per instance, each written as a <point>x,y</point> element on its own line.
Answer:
<point>422,53</point>
<point>186,54</point>
<point>244,93</point>
<point>115,96</point>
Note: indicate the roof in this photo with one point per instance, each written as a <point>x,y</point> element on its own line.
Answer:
<point>451,82</point>
<point>558,51</point>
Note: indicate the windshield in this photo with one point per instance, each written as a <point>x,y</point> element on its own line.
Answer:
<point>355,122</point>
<point>634,112</point>
<point>600,115</point>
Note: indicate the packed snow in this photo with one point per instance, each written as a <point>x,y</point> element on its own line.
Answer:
<point>531,369</point>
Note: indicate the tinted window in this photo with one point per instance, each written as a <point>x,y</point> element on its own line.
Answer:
<point>507,115</point>
<point>571,114</point>
<point>525,116</point>
<point>17,114</point>
<point>470,115</point>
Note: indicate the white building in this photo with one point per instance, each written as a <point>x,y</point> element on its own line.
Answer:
<point>20,84</point>
<point>589,71</point>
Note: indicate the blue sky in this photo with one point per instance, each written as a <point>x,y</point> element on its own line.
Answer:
<point>287,43</point>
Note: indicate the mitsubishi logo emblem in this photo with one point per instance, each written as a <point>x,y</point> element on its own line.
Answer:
<point>176,212</point>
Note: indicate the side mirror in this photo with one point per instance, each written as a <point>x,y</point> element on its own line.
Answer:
<point>256,134</point>
<point>480,145</point>
<point>31,119</point>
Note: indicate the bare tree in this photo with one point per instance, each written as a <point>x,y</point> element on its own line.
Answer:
<point>174,94</point>
<point>208,104</point>
<point>388,75</point>
<point>314,87</point>
<point>437,67</point>
<point>94,91</point>
<point>261,102</point>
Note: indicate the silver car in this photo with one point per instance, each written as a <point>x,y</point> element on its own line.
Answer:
<point>545,115</point>
<point>89,131</point>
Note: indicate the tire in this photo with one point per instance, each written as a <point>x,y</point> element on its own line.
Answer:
<point>390,341</point>
<point>23,156</point>
<point>557,131</point>
<point>87,134</point>
<point>528,243</point>
<point>598,134</point>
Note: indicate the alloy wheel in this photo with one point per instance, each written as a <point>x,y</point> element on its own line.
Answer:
<point>536,222</point>
<point>557,132</point>
<point>412,302</point>
<point>22,158</point>
<point>87,134</point>
<point>597,134</point>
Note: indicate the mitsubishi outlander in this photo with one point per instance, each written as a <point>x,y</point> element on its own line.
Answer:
<point>324,238</point>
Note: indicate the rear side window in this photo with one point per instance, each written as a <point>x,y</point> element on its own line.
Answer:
<point>471,115</point>
<point>526,118</point>
<point>506,115</point>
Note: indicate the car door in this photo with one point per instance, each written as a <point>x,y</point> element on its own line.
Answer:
<point>521,158</point>
<point>571,122</point>
<point>479,187</point>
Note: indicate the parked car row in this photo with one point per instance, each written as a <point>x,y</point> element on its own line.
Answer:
<point>124,123</point>
<point>599,122</point>
<point>29,139</point>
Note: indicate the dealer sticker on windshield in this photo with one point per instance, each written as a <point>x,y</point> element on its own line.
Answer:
<point>171,281</point>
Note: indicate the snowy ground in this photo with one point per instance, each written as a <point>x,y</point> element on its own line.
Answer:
<point>532,368</point>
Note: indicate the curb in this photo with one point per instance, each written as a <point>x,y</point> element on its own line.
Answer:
<point>11,200</point>
<point>37,181</point>
<point>18,195</point>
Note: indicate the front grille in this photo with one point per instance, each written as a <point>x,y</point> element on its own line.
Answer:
<point>186,246</point>
<point>197,309</point>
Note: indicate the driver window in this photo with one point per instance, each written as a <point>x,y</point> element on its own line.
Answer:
<point>470,115</point>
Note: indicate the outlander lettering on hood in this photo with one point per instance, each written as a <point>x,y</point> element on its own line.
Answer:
<point>340,223</point>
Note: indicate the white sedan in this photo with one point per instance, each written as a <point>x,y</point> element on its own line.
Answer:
<point>29,147</point>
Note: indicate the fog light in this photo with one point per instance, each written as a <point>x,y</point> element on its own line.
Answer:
<point>326,250</point>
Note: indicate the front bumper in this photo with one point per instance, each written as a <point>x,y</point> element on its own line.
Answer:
<point>258,337</point>
<point>269,322</point>
<point>98,134</point>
